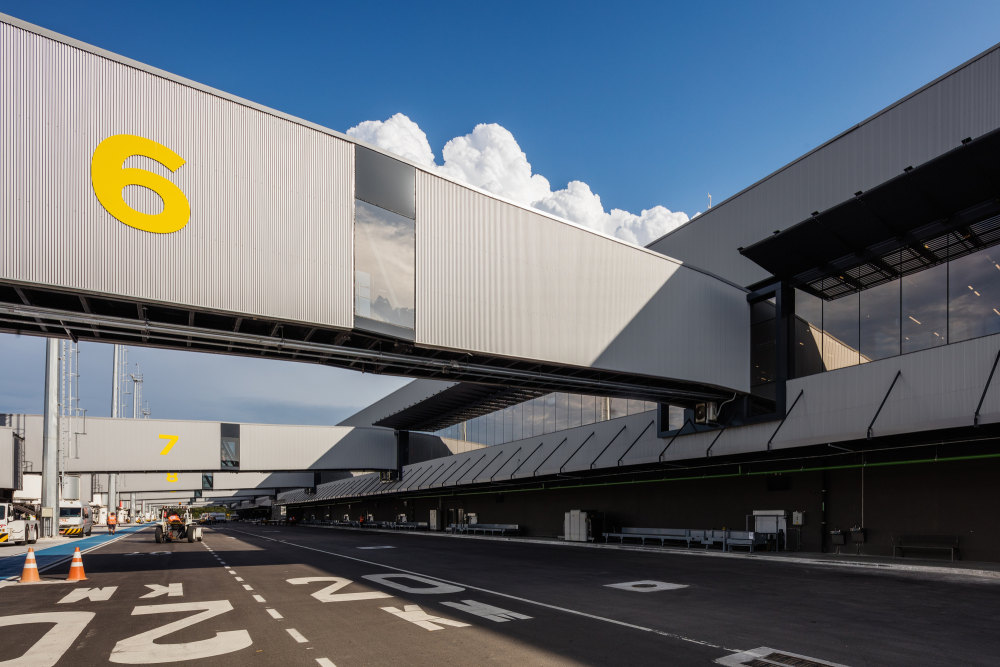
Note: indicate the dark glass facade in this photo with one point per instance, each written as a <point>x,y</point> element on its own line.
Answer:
<point>948,303</point>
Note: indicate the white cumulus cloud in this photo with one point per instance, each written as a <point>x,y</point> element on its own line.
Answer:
<point>398,135</point>
<point>490,158</point>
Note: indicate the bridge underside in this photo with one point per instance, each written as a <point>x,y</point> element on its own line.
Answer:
<point>34,310</point>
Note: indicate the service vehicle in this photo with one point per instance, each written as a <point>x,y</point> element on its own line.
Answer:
<point>75,518</point>
<point>176,524</point>
<point>18,523</point>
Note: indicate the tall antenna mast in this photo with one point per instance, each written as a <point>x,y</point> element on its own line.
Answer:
<point>136,391</point>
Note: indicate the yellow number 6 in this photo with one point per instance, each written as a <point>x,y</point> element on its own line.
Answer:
<point>110,178</point>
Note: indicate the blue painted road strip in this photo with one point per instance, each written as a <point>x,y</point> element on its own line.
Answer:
<point>11,566</point>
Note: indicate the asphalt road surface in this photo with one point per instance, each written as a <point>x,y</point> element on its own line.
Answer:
<point>303,596</point>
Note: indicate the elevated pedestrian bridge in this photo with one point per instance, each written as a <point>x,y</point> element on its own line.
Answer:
<point>138,207</point>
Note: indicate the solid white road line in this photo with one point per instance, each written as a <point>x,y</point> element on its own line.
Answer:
<point>296,635</point>
<point>536,603</point>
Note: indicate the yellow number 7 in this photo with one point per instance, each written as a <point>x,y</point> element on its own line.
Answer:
<point>172,441</point>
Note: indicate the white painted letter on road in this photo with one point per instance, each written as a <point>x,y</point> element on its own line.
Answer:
<point>495,614</point>
<point>330,594</point>
<point>50,648</point>
<point>92,594</point>
<point>170,590</point>
<point>142,649</point>
<point>414,614</point>
<point>434,588</point>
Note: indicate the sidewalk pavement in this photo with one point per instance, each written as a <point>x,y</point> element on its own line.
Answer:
<point>51,551</point>
<point>972,569</point>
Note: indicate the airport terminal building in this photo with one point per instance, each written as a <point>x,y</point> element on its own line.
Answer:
<point>821,346</point>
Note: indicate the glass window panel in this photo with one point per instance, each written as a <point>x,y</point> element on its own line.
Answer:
<point>385,182</point>
<point>880,322</point>
<point>840,332</point>
<point>575,403</point>
<point>561,407</point>
<point>384,263</point>
<point>974,295</point>
<point>619,408</point>
<point>808,353</point>
<point>925,309</point>
<point>549,409</point>
<point>589,409</point>
<point>763,362</point>
<point>508,424</point>
<point>676,417</point>
<point>636,407</point>
<point>517,418</point>
<point>762,311</point>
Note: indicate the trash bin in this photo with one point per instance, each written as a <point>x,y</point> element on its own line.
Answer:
<point>838,538</point>
<point>857,535</point>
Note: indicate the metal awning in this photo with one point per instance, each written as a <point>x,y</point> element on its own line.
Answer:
<point>455,404</point>
<point>943,209</point>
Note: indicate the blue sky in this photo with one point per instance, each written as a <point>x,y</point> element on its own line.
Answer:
<point>647,103</point>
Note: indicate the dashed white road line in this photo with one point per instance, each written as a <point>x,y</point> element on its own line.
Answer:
<point>296,635</point>
<point>247,587</point>
<point>537,603</point>
<point>325,662</point>
<point>274,614</point>
<point>259,598</point>
<point>239,578</point>
<point>233,572</point>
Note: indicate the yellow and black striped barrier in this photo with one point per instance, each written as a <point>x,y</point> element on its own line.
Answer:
<point>71,530</point>
<point>4,536</point>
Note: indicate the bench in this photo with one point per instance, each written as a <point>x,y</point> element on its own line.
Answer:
<point>408,525</point>
<point>484,528</point>
<point>745,538</point>
<point>947,543</point>
<point>662,534</point>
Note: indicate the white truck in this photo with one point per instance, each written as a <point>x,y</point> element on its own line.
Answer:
<point>75,518</point>
<point>18,523</point>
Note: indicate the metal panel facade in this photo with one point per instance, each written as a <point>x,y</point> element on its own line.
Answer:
<point>124,445</point>
<point>271,200</point>
<point>499,279</point>
<point>273,447</point>
<point>929,123</point>
<point>8,465</point>
<point>135,444</point>
<point>187,481</point>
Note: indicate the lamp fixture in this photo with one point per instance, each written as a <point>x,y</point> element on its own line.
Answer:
<point>914,319</point>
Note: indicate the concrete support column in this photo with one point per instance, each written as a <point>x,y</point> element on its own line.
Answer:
<point>50,438</point>
<point>112,492</point>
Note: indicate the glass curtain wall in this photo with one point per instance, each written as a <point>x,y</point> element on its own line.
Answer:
<point>947,303</point>
<point>545,414</point>
<point>384,244</point>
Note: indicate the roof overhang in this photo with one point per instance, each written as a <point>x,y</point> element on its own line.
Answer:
<point>942,209</point>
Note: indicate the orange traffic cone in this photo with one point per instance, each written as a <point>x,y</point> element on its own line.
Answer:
<point>29,575</point>
<point>76,567</point>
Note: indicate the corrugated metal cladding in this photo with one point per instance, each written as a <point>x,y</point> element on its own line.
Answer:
<point>276,447</point>
<point>123,445</point>
<point>930,123</point>
<point>270,232</point>
<point>158,481</point>
<point>8,465</point>
<point>498,279</point>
